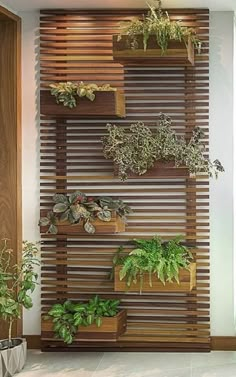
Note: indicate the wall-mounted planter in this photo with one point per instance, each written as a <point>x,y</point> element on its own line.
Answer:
<point>177,53</point>
<point>159,170</point>
<point>187,279</point>
<point>106,104</point>
<point>110,330</point>
<point>116,225</point>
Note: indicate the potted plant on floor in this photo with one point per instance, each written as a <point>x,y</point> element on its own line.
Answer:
<point>16,285</point>
<point>155,266</point>
<point>78,213</point>
<point>97,318</point>
<point>139,149</point>
<point>155,37</point>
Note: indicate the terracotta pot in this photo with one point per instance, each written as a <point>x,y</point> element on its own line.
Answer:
<point>12,360</point>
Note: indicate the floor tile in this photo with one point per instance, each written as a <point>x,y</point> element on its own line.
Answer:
<point>54,364</point>
<point>113,371</point>
<point>213,358</point>
<point>131,364</point>
<point>227,370</point>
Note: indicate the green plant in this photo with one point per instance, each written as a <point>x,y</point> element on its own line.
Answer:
<point>16,283</point>
<point>68,93</point>
<point>78,208</point>
<point>137,149</point>
<point>157,23</point>
<point>69,317</point>
<point>153,256</point>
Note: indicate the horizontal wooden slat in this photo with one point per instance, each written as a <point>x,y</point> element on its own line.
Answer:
<point>77,45</point>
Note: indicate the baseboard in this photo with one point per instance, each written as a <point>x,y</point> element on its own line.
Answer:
<point>223,343</point>
<point>33,342</point>
<point>218,343</point>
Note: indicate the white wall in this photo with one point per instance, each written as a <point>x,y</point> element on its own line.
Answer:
<point>30,149</point>
<point>221,146</point>
<point>221,191</point>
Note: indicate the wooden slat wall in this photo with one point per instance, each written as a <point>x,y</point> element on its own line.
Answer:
<point>77,45</point>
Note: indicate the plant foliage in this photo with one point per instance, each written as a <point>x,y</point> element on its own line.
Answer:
<point>69,317</point>
<point>157,23</point>
<point>17,282</point>
<point>68,93</point>
<point>78,208</point>
<point>153,256</point>
<point>137,149</point>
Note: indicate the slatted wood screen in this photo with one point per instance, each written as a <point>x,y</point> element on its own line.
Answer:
<point>77,45</point>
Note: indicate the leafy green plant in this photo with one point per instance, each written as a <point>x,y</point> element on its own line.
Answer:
<point>68,93</point>
<point>77,208</point>
<point>137,149</point>
<point>153,256</point>
<point>16,283</point>
<point>157,23</point>
<point>69,317</point>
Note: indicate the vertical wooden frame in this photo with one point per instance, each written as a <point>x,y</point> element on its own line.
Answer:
<point>10,108</point>
<point>167,206</point>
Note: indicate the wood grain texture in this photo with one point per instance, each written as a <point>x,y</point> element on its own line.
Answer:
<point>106,104</point>
<point>10,155</point>
<point>110,330</point>
<point>77,45</point>
<point>116,225</point>
<point>187,281</point>
<point>177,52</point>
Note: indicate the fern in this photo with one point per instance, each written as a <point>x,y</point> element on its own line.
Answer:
<point>164,259</point>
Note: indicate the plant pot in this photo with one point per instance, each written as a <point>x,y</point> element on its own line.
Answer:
<point>12,360</point>
<point>116,225</point>
<point>176,54</point>
<point>161,169</point>
<point>110,330</point>
<point>187,281</point>
<point>105,104</point>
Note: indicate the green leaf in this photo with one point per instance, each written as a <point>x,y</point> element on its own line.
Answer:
<point>60,207</point>
<point>44,221</point>
<point>104,215</point>
<point>60,198</point>
<point>74,196</point>
<point>98,321</point>
<point>53,229</point>
<point>89,228</point>
<point>27,302</point>
<point>65,216</point>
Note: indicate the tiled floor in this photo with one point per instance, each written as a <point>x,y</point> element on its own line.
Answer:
<point>98,364</point>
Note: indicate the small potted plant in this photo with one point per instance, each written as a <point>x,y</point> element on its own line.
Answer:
<point>140,151</point>
<point>155,266</point>
<point>78,98</point>
<point>74,321</point>
<point>78,213</point>
<point>154,37</point>
<point>16,285</point>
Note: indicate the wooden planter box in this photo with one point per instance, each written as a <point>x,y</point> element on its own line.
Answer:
<point>176,54</point>
<point>160,170</point>
<point>110,330</point>
<point>187,282</point>
<point>116,225</point>
<point>106,104</point>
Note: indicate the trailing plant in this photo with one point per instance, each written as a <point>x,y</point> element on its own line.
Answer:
<point>137,149</point>
<point>17,282</point>
<point>153,256</point>
<point>68,93</point>
<point>78,208</point>
<point>157,23</point>
<point>69,317</point>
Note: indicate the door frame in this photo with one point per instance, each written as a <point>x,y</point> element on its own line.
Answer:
<point>13,22</point>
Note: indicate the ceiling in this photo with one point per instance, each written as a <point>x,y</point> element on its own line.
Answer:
<point>27,5</point>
